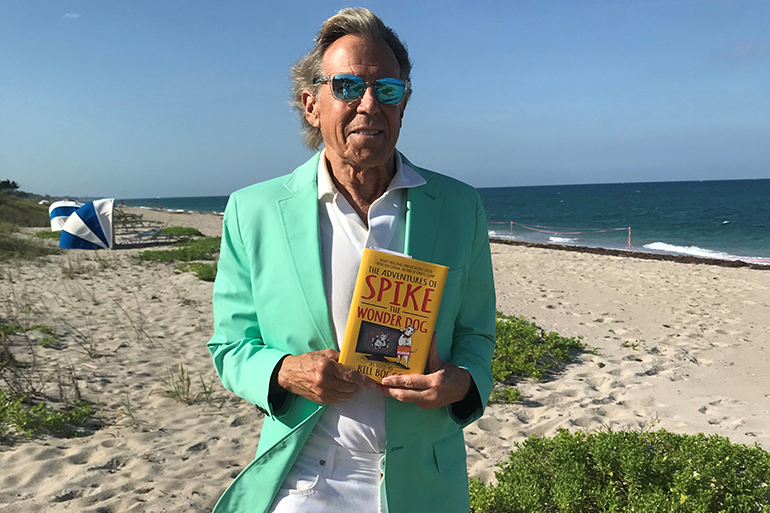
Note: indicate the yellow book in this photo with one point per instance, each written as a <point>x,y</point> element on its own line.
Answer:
<point>392,315</point>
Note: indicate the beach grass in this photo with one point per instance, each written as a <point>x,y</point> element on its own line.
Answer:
<point>15,209</point>
<point>17,212</point>
<point>8,228</point>
<point>23,381</point>
<point>203,248</point>
<point>205,272</point>
<point>48,235</point>
<point>178,385</point>
<point>181,231</point>
<point>30,418</point>
<point>15,247</point>
<point>628,471</point>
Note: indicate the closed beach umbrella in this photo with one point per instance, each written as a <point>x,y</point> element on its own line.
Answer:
<point>89,227</point>
<point>60,211</point>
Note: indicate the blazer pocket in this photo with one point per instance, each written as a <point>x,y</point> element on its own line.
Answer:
<point>449,451</point>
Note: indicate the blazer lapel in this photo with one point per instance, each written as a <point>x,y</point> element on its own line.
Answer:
<point>423,209</point>
<point>299,212</point>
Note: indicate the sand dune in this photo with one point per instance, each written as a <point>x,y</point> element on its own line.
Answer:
<point>679,346</point>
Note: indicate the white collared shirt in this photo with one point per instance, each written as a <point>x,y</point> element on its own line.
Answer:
<point>359,423</point>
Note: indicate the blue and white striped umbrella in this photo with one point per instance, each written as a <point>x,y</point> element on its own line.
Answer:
<point>60,211</point>
<point>90,227</point>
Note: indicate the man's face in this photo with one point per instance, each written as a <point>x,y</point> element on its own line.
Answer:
<point>361,133</point>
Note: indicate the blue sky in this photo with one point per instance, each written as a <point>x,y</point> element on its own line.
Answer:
<point>189,98</point>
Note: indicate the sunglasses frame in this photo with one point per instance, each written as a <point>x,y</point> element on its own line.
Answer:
<point>329,78</point>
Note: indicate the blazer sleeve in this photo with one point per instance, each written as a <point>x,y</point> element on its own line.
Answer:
<point>242,360</point>
<point>473,341</point>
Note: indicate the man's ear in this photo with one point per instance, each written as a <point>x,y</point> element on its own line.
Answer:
<point>311,114</point>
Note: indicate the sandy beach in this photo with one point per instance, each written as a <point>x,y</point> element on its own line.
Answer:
<point>674,345</point>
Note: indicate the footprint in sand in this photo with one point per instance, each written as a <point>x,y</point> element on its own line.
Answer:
<point>586,422</point>
<point>489,424</point>
<point>79,458</point>
<point>553,399</point>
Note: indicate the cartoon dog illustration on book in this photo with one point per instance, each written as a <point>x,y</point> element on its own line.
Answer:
<point>404,347</point>
<point>380,341</point>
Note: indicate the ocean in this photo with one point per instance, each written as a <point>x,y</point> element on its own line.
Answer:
<point>726,219</point>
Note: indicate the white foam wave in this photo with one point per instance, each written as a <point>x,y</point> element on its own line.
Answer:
<point>561,240</point>
<point>701,252</point>
<point>502,235</point>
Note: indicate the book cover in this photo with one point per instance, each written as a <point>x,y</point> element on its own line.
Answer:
<point>392,315</point>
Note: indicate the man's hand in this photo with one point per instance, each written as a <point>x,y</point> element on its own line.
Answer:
<point>444,384</point>
<point>317,376</point>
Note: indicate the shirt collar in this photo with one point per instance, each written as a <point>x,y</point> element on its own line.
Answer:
<point>405,178</point>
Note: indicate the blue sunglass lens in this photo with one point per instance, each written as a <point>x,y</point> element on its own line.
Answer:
<point>389,91</point>
<point>348,87</point>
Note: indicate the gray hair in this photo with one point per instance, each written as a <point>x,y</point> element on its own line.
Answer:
<point>356,21</point>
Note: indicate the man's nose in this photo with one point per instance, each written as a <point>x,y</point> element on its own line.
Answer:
<point>369,100</point>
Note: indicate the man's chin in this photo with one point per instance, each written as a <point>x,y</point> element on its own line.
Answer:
<point>367,158</point>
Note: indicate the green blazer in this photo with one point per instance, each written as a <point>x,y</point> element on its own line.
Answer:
<point>269,301</point>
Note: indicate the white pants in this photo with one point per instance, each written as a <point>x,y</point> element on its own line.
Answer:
<point>328,478</point>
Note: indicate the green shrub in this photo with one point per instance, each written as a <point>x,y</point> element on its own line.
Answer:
<point>506,395</point>
<point>47,235</point>
<point>181,231</point>
<point>196,249</point>
<point>28,418</point>
<point>524,349</point>
<point>647,472</point>
<point>205,272</point>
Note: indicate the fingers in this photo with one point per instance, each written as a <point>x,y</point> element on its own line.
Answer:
<point>349,375</point>
<point>413,388</point>
<point>331,354</point>
<point>318,377</point>
<point>408,381</point>
<point>445,386</point>
<point>434,362</point>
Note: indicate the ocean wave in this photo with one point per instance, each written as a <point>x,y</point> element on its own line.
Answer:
<point>501,235</point>
<point>561,240</point>
<point>702,253</point>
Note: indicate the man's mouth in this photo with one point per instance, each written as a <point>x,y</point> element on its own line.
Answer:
<point>366,132</point>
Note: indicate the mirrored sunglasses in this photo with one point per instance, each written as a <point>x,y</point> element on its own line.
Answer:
<point>388,91</point>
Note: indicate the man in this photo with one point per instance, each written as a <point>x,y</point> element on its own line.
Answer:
<point>332,439</point>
